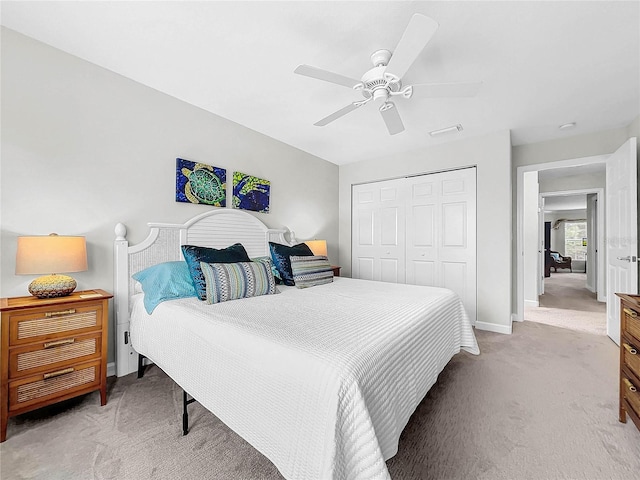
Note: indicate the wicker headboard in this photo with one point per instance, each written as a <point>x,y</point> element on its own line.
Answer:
<point>216,229</point>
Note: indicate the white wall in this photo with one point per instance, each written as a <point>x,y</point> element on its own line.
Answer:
<point>84,148</point>
<point>531,243</point>
<point>579,181</point>
<point>492,156</point>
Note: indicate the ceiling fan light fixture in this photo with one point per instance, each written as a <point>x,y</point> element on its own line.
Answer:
<point>442,131</point>
<point>566,126</point>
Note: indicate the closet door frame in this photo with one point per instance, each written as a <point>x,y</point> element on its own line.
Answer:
<point>435,231</point>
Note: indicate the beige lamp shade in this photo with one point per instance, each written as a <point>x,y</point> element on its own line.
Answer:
<point>318,247</point>
<point>52,254</point>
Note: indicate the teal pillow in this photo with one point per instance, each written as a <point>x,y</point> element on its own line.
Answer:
<point>194,255</point>
<point>231,281</point>
<point>165,281</point>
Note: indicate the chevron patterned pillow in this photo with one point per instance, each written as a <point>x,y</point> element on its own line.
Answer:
<point>231,281</point>
<point>311,271</point>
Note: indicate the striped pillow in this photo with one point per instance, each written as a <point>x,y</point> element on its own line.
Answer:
<point>311,271</point>
<point>231,281</point>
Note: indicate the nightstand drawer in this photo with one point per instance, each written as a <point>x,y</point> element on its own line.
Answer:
<point>631,356</point>
<point>631,322</point>
<point>54,322</point>
<point>52,384</point>
<point>38,357</point>
<point>631,391</point>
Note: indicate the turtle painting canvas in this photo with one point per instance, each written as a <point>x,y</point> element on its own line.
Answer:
<point>250,193</point>
<point>200,183</point>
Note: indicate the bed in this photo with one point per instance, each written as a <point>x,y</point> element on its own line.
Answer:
<point>320,380</point>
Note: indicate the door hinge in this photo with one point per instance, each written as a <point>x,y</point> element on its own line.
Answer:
<point>126,338</point>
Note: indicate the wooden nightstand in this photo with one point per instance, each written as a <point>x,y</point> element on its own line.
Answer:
<point>336,270</point>
<point>52,349</point>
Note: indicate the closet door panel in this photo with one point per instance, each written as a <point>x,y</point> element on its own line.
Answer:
<point>378,231</point>
<point>424,273</point>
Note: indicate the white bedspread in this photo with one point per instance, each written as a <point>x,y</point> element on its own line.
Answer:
<point>322,380</point>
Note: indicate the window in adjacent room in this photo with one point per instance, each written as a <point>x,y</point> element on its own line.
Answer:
<point>575,240</point>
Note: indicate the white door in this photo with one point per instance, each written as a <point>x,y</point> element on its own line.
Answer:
<point>441,233</point>
<point>622,231</point>
<point>378,231</point>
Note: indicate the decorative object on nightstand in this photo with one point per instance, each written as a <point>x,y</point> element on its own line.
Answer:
<point>318,247</point>
<point>52,349</point>
<point>51,254</point>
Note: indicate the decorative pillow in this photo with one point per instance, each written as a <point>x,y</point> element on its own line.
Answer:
<point>165,281</point>
<point>272,267</point>
<point>230,281</point>
<point>311,271</point>
<point>556,257</point>
<point>194,255</point>
<point>280,255</point>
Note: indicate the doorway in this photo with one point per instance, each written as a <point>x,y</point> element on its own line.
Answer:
<point>567,294</point>
<point>557,179</point>
<point>620,256</point>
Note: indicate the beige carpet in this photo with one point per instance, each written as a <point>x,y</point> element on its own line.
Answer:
<point>567,303</point>
<point>538,404</point>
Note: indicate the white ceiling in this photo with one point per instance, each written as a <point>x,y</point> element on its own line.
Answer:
<point>542,64</point>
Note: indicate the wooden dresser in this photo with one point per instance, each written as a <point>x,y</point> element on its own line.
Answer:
<point>51,350</point>
<point>630,358</point>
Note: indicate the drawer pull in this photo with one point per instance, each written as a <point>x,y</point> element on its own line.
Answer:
<point>630,349</point>
<point>65,371</point>
<point>61,312</point>
<point>630,312</point>
<point>630,386</point>
<point>58,343</point>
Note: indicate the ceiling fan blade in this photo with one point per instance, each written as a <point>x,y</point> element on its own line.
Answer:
<point>436,90</point>
<point>392,118</point>
<point>336,115</point>
<point>320,74</point>
<point>414,39</point>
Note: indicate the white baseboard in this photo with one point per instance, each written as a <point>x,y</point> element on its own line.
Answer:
<point>492,327</point>
<point>111,369</point>
<point>531,303</point>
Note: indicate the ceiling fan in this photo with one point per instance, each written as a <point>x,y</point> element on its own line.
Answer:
<point>384,80</point>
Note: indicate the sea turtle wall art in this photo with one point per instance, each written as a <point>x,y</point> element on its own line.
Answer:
<point>251,193</point>
<point>200,183</point>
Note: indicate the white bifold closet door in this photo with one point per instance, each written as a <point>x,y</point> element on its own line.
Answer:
<point>418,230</point>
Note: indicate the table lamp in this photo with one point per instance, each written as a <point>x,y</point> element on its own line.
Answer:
<point>46,254</point>
<point>318,247</point>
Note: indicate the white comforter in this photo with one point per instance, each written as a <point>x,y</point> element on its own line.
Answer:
<point>322,380</point>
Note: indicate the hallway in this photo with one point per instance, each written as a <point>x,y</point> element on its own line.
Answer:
<point>568,304</point>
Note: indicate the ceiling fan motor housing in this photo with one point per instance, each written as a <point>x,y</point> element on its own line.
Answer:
<point>378,85</point>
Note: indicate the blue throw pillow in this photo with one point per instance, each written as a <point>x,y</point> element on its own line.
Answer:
<point>280,255</point>
<point>231,281</point>
<point>165,281</point>
<point>194,255</point>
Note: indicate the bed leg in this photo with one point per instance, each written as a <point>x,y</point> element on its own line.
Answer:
<point>140,365</point>
<point>185,413</point>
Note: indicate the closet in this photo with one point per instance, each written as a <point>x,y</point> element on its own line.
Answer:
<point>418,230</point>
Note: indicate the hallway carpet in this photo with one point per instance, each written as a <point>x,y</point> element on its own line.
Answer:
<point>540,404</point>
<point>568,304</point>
